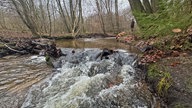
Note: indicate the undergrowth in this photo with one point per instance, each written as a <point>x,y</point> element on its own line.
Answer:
<point>170,15</point>
<point>163,78</point>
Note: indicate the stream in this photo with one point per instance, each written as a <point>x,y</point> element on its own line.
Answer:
<point>79,80</point>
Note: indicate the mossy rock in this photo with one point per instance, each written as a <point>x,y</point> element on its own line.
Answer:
<point>49,60</point>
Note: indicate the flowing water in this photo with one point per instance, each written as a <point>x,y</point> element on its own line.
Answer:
<point>96,43</point>
<point>80,79</point>
<point>17,74</point>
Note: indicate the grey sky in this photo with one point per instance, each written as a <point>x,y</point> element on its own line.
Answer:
<point>90,7</point>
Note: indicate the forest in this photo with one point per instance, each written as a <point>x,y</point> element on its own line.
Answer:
<point>46,17</point>
<point>59,17</point>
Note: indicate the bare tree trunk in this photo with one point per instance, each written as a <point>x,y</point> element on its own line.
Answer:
<point>67,15</point>
<point>136,5</point>
<point>34,15</point>
<point>24,15</point>
<point>154,5</point>
<point>54,18</point>
<point>43,17</point>
<point>81,20</point>
<point>100,16</point>
<point>61,11</point>
<point>108,6</point>
<point>117,16</point>
<point>72,13</point>
<point>147,6</point>
<point>50,23</point>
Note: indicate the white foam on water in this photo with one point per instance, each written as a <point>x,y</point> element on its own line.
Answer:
<point>36,59</point>
<point>76,92</point>
<point>125,73</point>
<point>72,87</point>
<point>121,50</point>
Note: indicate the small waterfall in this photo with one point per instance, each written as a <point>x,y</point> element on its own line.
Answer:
<point>82,81</point>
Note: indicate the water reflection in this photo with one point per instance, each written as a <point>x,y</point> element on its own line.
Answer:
<point>95,43</point>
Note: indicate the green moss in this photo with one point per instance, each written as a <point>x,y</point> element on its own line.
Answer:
<point>153,72</point>
<point>49,60</point>
<point>163,78</point>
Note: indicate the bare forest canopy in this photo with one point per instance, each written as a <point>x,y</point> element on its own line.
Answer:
<point>58,17</point>
<point>72,17</point>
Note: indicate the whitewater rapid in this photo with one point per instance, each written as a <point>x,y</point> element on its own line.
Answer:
<point>82,81</point>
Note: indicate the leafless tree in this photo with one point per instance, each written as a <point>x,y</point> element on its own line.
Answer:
<point>59,17</point>
<point>117,16</point>
<point>99,9</point>
<point>23,11</point>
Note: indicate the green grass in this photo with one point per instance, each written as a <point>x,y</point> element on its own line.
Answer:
<point>162,22</point>
<point>163,78</point>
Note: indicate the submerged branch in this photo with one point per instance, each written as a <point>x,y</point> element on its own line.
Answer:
<point>13,49</point>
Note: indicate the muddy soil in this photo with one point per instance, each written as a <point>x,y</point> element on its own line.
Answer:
<point>180,93</point>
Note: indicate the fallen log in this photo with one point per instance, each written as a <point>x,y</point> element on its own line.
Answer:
<point>14,50</point>
<point>29,46</point>
<point>38,43</point>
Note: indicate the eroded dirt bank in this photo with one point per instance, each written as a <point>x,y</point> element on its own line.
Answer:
<point>179,93</point>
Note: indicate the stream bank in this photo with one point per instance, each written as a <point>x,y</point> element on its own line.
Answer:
<point>167,61</point>
<point>175,74</point>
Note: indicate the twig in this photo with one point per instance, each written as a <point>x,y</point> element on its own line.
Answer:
<point>12,48</point>
<point>38,43</point>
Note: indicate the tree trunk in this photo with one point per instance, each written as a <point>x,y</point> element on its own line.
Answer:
<point>81,20</point>
<point>67,15</point>
<point>154,5</point>
<point>54,18</point>
<point>71,10</point>
<point>100,16</point>
<point>61,11</point>
<point>136,5</point>
<point>49,15</point>
<point>43,17</point>
<point>117,16</point>
<point>108,6</point>
<point>24,16</point>
<point>147,6</point>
